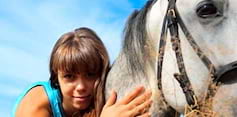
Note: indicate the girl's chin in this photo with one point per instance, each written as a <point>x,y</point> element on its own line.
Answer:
<point>81,105</point>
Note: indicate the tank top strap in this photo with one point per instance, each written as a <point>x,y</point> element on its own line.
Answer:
<point>54,97</point>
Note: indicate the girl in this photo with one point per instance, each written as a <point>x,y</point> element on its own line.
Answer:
<point>78,66</point>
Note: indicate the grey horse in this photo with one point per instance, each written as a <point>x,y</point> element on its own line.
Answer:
<point>213,26</point>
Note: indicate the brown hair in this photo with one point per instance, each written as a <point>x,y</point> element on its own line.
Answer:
<point>81,51</point>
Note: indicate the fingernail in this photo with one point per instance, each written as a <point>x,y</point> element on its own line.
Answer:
<point>141,88</point>
<point>149,92</point>
<point>149,114</point>
<point>151,101</point>
<point>112,91</point>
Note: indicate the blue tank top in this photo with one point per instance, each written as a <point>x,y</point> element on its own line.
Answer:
<point>53,94</point>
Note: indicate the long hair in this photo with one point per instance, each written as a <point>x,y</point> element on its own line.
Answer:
<point>81,51</point>
<point>135,38</point>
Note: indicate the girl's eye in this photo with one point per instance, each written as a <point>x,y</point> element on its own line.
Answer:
<point>91,75</point>
<point>68,76</point>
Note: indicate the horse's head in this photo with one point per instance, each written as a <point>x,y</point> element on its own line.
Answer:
<point>213,26</point>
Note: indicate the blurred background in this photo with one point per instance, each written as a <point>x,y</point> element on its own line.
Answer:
<point>30,28</point>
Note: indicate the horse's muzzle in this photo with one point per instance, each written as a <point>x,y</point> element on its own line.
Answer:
<point>227,74</point>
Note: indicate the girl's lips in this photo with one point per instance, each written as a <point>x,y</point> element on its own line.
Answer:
<point>81,98</point>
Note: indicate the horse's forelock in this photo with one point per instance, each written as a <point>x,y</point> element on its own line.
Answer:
<point>135,36</point>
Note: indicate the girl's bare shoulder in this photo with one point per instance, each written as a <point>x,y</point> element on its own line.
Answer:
<point>35,103</point>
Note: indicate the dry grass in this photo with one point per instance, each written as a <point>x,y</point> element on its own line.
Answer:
<point>204,107</point>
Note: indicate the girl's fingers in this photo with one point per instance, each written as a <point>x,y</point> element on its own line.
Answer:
<point>141,109</point>
<point>147,114</point>
<point>132,95</point>
<point>140,100</point>
<point>112,99</point>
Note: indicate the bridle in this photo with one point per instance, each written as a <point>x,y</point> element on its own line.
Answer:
<point>172,21</point>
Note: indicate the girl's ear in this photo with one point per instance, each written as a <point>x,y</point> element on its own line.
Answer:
<point>56,83</point>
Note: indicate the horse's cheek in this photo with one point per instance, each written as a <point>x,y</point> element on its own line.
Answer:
<point>224,102</point>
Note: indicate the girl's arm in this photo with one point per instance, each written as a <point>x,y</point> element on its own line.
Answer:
<point>34,104</point>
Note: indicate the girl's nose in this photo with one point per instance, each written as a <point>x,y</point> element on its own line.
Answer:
<point>80,85</point>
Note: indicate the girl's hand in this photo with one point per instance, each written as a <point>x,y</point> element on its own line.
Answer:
<point>134,104</point>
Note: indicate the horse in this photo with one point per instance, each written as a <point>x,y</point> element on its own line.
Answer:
<point>177,48</point>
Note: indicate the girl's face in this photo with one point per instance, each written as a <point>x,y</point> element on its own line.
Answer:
<point>77,90</point>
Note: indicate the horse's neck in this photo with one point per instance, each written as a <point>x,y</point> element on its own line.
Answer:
<point>121,79</point>
<point>130,81</point>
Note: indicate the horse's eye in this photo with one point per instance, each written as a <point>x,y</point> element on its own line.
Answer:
<point>207,10</point>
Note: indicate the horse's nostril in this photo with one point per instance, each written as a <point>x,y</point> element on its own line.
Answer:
<point>227,74</point>
<point>234,65</point>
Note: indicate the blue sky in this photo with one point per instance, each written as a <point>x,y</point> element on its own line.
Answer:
<point>29,29</point>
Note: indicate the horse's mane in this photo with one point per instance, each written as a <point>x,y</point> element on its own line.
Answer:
<point>135,36</point>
